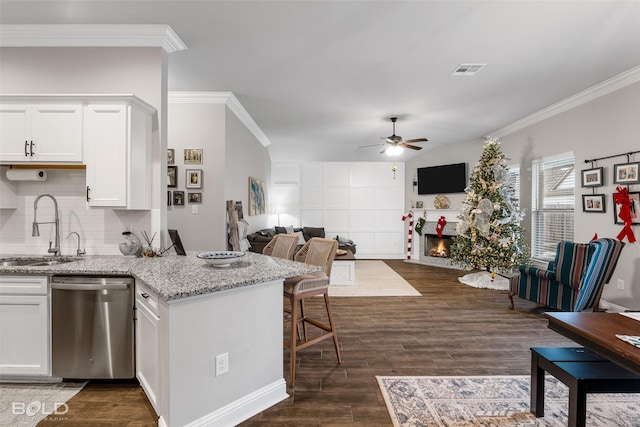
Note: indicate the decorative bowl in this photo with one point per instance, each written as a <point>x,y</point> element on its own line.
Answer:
<point>130,249</point>
<point>221,258</point>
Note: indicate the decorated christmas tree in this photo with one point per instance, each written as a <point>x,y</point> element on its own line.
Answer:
<point>489,234</point>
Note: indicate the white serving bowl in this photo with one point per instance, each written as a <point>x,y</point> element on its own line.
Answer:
<point>221,258</point>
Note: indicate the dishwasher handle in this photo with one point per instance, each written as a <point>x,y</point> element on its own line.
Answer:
<point>90,286</point>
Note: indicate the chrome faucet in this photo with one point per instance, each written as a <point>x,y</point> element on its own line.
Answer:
<point>79,251</point>
<point>36,229</point>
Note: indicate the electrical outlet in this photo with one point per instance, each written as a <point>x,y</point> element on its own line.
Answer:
<point>194,209</point>
<point>620,284</point>
<point>222,364</point>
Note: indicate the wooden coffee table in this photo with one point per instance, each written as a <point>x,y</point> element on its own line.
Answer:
<point>343,271</point>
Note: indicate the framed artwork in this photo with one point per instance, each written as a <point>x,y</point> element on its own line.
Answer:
<point>171,156</point>
<point>593,203</point>
<point>626,173</point>
<point>195,197</point>
<point>178,198</point>
<point>172,176</point>
<point>194,178</point>
<point>635,209</point>
<point>592,177</point>
<point>193,156</point>
<point>256,197</point>
<point>169,198</point>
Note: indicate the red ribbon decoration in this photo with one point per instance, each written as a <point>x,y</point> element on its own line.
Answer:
<point>622,199</point>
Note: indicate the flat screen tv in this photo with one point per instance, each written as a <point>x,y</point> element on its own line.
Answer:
<point>442,179</point>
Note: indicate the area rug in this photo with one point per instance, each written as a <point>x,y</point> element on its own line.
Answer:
<point>496,401</point>
<point>25,405</point>
<point>374,279</point>
<point>482,279</point>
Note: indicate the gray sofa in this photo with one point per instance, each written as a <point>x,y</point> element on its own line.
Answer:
<point>259,239</point>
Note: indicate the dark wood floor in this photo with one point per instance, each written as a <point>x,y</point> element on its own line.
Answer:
<point>452,329</point>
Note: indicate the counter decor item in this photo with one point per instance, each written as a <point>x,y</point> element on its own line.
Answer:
<point>132,247</point>
<point>149,252</point>
<point>221,258</point>
<point>441,202</point>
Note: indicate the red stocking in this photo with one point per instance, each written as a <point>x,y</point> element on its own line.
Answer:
<point>440,226</point>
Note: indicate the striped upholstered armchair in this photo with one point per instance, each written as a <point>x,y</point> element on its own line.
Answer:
<point>574,280</point>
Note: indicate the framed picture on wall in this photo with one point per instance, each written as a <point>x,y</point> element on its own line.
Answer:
<point>257,204</point>
<point>195,197</point>
<point>635,209</point>
<point>171,156</point>
<point>193,156</point>
<point>172,176</point>
<point>178,198</point>
<point>593,203</point>
<point>194,178</point>
<point>592,177</point>
<point>626,173</point>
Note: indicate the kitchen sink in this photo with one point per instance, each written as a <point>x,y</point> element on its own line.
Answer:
<point>34,262</point>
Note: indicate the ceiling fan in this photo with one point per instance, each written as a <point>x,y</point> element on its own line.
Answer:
<point>397,143</point>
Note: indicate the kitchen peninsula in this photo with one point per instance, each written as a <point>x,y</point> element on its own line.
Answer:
<point>189,312</point>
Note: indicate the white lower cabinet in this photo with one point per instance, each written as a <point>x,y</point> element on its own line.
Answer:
<point>148,344</point>
<point>24,326</point>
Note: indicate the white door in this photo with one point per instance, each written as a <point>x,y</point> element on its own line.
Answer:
<point>24,335</point>
<point>15,133</point>
<point>57,133</point>
<point>106,133</point>
<point>147,347</point>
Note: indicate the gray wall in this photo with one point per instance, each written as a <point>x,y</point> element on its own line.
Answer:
<point>245,156</point>
<point>231,154</point>
<point>602,127</point>
<point>199,126</point>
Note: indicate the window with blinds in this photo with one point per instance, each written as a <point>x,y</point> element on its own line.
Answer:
<point>552,204</point>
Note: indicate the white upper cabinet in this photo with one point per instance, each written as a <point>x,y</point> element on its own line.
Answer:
<point>118,154</point>
<point>110,134</point>
<point>42,132</point>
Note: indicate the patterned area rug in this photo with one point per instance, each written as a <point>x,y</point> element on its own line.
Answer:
<point>374,279</point>
<point>25,405</point>
<point>496,401</point>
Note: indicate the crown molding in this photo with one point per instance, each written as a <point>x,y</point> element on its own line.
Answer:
<point>90,35</point>
<point>86,98</point>
<point>617,82</point>
<point>226,98</point>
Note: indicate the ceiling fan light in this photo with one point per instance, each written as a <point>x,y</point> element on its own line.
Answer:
<point>393,150</point>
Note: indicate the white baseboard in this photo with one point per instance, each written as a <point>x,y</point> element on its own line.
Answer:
<point>379,256</point>
<point>609,306</point>
<point>245,407</point>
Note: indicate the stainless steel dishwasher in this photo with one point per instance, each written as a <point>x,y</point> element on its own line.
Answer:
<point>92,330</point>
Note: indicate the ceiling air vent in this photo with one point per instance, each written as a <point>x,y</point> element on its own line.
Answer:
<point>467,69</point>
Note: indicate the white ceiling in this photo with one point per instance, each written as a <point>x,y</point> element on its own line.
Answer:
<point>322,78</point>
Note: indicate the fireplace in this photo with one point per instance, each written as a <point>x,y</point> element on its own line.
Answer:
<point>437,246</point>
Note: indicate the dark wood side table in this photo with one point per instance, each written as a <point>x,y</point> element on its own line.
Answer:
<point>597,332</point>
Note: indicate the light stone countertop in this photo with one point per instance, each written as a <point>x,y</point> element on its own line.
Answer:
<point>174,277</point>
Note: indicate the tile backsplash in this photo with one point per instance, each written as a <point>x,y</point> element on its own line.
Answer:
<point>100,229</point>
